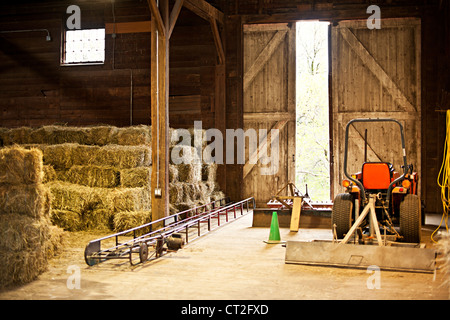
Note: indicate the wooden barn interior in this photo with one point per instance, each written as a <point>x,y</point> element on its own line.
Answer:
<point>91,142</point>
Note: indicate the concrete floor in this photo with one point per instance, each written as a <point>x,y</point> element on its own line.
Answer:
<point>232,263</point>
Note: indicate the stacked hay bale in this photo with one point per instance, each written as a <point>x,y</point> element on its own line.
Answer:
<point>192,180</point>
<point>98,187</point>
<point>100,177</point>
<point>27,237</point>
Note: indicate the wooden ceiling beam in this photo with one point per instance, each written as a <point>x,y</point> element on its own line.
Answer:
<point>157,15</point>
<point>174,16</point>
<point>204,10</point>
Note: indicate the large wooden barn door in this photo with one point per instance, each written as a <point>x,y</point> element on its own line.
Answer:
<point>375,74</point>
<point>269,103</point>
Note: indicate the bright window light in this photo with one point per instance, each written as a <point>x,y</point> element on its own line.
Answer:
<point>84,46</point>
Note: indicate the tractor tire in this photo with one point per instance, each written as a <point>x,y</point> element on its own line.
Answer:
<point>410,218</point>
<point>342,214</point>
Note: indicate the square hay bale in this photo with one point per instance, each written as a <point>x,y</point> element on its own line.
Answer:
<point>81,199</point>
<point>92,176</point>
<point>99,219</point>
<point>123,157</point>
<point>217,195</point>
<point>129,199</point>
<point>190,173</point>
<point>185,207</point>
<point>64,156</point>
<point>134,136</point>
<point>16,136</point>
<point>76,198</point>
<point>176,192</point>
<point>26,244</point>
<point>173,173</point>
<point>102,135</point>
<point>126,220</point>
<point>209,172</point>
<point>49,174</point>
<point>20,267</point>
<point>20,166</point>
<point>59,135</point>
<point>30,200</point>
<point>22,232</point>
<point>136,177</point>
<point>184,154</point>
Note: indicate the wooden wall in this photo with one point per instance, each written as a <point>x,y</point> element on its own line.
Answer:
<point>35,90</point>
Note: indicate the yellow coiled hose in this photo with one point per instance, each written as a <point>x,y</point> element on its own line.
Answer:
<point>443,179</point>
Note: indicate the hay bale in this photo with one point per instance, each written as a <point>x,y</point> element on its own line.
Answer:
<point>92,176</point>
<point>176,137</point>
<point>123,157</point>
<point>183,154</point>
<point>20,166</point>
<point>173,173</point>
<point>30,200</point>
<point>64,156</point>
<point>59,135</point>
<point>190,173</point>
<point>102,135</point>
<point>185,206</point>
<point>22,232</point>
<point>82,199</point>
<point>49,174</point>
<point>16,136</point>
<point>20,267</point>
<point>126,220</point>
<point>99,219</point>
<point>26,244</point>
<point>76,198</point>
<point>209,172</point>
<point>129,199</point>
<point>134,136</point>
<point>176,192</point>
<point>217,195</point>
<point>136,177</point>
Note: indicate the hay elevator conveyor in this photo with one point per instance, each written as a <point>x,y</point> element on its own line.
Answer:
<point>169,234</point>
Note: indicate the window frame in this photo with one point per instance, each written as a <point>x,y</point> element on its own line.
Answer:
<point>64,63</point>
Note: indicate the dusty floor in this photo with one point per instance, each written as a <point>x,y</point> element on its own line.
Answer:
<point>232,263</point>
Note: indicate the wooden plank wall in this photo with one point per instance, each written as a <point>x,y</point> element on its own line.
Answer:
<point>35,90</point>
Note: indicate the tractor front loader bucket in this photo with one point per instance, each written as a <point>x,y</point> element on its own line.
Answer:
<point>395,257</point>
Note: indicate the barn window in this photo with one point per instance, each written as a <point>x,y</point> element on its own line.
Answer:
<point>84,46</point>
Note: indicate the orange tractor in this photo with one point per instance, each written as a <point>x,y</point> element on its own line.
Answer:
<point>378,188</point>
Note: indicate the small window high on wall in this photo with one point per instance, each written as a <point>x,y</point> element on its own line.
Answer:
<point>83,47</point>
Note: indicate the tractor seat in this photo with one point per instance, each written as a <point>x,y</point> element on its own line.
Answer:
<point>376,175</point>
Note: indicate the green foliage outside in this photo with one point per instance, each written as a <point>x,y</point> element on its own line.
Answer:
<point>312,150</point>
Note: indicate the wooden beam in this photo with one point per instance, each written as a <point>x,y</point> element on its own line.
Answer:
<point>254,157</point>
<point>157,15</point>
<point>204,10</point>
<point>269,116</point>
<point>128,27</point>
<point>174,16</point>
<point>160,112</point>
<point>218,41</point>
<point>263,57</point>
<point>369,61</point>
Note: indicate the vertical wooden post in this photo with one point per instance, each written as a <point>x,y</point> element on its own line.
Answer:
<point>160,108</point>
